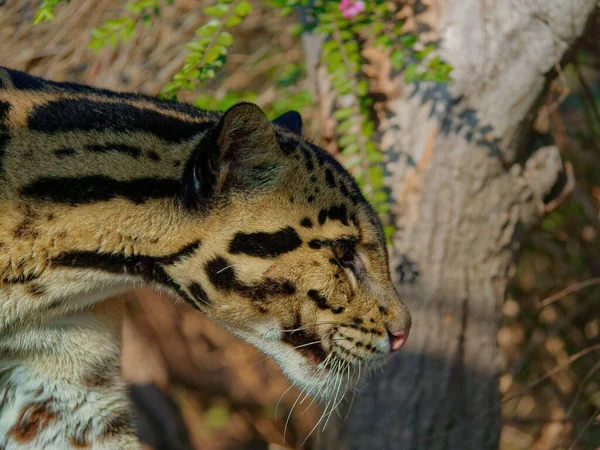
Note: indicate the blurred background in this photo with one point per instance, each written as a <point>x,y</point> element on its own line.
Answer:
<point>193,381</point>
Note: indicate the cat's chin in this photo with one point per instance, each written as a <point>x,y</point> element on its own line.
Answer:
<point>303,367</point>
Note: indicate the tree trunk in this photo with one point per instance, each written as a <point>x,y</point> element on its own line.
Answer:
<point>468,179</point>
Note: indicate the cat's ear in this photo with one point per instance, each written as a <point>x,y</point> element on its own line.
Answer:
<point>240,151</point>
<point>291,121</point>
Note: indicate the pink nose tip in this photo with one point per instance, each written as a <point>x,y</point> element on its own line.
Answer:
<point>397,339</point>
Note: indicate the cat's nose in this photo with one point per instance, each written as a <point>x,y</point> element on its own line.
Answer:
<point>397,338</point>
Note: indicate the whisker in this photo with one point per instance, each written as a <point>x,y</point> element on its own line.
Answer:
<point>306,345</point>
<point>228,267</point>
<point>312,325</point>
<point>290,415</point>
<point>281,398</point>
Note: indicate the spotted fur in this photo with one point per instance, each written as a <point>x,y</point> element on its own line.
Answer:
<point>243,219</point>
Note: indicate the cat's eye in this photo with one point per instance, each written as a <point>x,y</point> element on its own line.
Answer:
<point>343,250</point>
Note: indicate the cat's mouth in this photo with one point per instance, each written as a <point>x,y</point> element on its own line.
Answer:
<point>307,344</point>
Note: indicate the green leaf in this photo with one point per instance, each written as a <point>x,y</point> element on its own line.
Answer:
<point>397,58</point>
<point>410,73</point>
<point>421,54</point>
<point>351,149</point>
<point>214,53</point>
<point>374,157</point>
<point>243,8</point>
<point>343,113</point>
<point>347,140</point>
<point>352,162</point>
<point>195,46</point>
<point>362,87</point>
<point>408,40</point>
<point>383,41</point>
<point>232,21</point>
<point>389,231</point>
<point>218,10</point>
<point>209,28</point>
<point>225,38</point>
<point>376,28</point>
<point>380,196</point>
<point>345,125</point>
<point>398,28</point>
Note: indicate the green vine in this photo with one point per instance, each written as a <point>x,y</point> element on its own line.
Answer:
<point>348,25</point>
<point>208,52</point>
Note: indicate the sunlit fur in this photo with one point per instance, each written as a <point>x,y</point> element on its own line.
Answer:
<point>323,320</point>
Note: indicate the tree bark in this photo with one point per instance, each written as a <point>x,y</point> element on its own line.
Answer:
<point>468,179</point>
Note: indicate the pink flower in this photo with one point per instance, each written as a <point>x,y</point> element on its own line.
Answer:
<point>350,9</point>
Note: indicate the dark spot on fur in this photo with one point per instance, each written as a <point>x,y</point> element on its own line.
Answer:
<point>310,166</point>
<point>382,310</point>
<point>311,198</point>
<point>322,216</point>
<point>222,275</point>
<point>338,212</point>
<point>35,289</point>
<point>329,178</point>
<point>119,424</point>
<point>301,339</point>
<point>357,320</point>
<point>54,304</point>
<point>306,222</point>
<point>265,245</point>
<point>287,144</point>
<point>79,441</point>
<point>87,115</point>
<point>26,229</point>
<point>4,140</point>
<point>34,418</point>
<point>153,156</point>
<point>150,268</point>
<point>99,377</point>
<point>97,188</point>
<point>63,152</point>
<point>50,217</point>
<point>4,109</point>
<point>338,309</point>
<point>372,320</point>
<point>22,278</point>
<point>176,163</point>
<point>313,178</point>
<point>262,309</point>
<point>291,200</point>
<point>344,190</point>
<point>315,244</point>
<point>199,294</point>
<point>318,299</point>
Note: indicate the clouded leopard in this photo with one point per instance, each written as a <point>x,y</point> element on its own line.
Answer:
<point>242,218</point>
